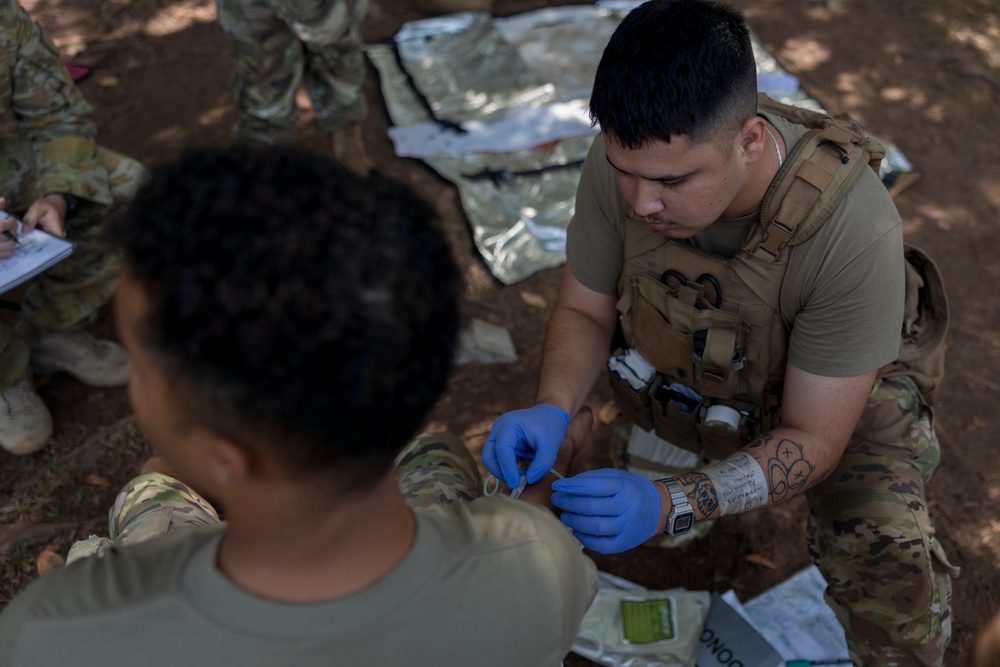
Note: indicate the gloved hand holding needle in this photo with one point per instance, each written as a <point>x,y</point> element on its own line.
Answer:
<point>608,510</point>
<point>533,434</point>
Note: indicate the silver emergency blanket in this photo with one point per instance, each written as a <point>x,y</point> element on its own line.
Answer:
<point>466,70</point>
<point>471,66</point>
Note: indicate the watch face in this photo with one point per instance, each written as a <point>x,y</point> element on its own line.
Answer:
<point>682,524</point>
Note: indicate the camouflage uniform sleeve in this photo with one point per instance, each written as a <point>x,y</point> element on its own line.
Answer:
<point>52,116</point>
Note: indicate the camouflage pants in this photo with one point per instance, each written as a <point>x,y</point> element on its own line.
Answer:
<point>433,470</point>
<point>278,44</point>
<point>889,581</point>
<point>68,296</point>
<point>150,505</point>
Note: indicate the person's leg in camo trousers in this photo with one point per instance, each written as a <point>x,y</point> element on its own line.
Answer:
<point>433,470</point>
<point>889,581</point>
<point>330,33</point>
<point>58,305</point>
<point>150,505</point>
<point>268,65</point>
<point>278,44</point>
<point>335,65</point>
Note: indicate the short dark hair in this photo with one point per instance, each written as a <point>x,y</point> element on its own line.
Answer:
<point>295,306</point>
<point>675,68</point>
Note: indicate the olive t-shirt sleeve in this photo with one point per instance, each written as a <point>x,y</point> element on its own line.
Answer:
<point>842,297</point>
<point>574,574</point>
<point>492,578</point>
<point>595,246</point>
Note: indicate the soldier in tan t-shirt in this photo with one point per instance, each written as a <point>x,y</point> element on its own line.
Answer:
<point>775,372</point>
<point>291,325</point>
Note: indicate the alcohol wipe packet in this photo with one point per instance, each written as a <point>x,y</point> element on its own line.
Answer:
<point>630,626</point>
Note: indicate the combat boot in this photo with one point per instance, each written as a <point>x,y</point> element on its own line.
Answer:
<point>25,422</point>
<point>94,362</point>
<point>348,148</point>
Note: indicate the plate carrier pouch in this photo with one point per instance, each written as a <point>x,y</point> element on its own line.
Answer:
<point>741,356</point>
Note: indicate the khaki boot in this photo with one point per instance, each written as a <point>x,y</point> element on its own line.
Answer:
<point>25,422</point>
<point>348,148</point>
<point>94,362</point>
<point>436,7</point>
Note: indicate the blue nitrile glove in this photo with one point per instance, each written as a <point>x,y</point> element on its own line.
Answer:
<point>609,510</point>
<point>533,434</point>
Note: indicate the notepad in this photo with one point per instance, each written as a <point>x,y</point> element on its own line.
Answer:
<point>36,252</point>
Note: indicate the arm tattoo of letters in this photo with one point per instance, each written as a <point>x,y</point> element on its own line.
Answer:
<point>788,471</point>
<point>739,483</point>
<point>700,491</point>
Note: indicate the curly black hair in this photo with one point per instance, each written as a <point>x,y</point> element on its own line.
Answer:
<point>295,306</point>
<point>676,68</point>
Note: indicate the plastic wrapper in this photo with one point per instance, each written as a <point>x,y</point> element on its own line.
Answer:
<point>630,626</point>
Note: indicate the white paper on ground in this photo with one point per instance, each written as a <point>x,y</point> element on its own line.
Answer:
<point>482,342</point>
<point>796,621</point>
<point>520,130</point>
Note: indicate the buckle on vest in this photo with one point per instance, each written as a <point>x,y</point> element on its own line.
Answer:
<point>775,238</point>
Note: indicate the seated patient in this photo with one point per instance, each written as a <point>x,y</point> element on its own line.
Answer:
<point>291,325</point>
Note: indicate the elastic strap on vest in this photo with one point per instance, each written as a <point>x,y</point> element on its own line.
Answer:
<point>718,358</point>
<point>817,174</point>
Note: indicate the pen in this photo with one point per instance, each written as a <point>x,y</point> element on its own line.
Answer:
<point>5,214</point>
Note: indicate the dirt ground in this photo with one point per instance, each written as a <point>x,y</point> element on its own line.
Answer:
<point>923,74</point>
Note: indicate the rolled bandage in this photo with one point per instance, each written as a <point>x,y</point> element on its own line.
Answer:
<point>739,483</point>
<point>723,416</point>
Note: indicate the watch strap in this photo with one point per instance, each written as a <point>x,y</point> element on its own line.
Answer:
<point>681,517</point>
<point>71,202</point>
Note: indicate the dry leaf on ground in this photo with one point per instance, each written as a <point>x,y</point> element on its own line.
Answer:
<point>48,560</point>
<point>93,479</point>
<point>532,299</point>
<point>763,561</point>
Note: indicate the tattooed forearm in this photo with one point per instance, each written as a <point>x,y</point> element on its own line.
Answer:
<point>739,483</point>
<point>788,471</point>
<point>700,492</point>
<point>761,442</point>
